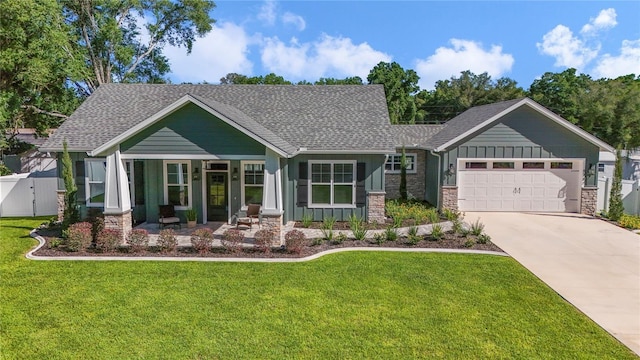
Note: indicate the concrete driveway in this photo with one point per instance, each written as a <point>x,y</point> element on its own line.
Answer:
<point>592,264</point>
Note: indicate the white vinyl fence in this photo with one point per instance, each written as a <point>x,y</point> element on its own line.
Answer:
<point>24,195</point>
<point>630,195</point>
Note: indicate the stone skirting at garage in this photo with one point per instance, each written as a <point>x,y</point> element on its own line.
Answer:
<point>415,181</point>
<point>589,201</point>
<point>449,196</point>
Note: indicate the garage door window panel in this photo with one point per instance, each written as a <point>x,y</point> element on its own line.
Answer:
<point>533,165</point>
<point>503,165</point>
<point>562,165</point>
<point>475,165</point>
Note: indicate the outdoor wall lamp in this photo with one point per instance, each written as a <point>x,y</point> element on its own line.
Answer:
<point>450,171</point>
<point>234,176</point>
<point>196,174</point>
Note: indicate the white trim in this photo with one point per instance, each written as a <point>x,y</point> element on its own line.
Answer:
<point>131,180</point>
<point>390,158</point>
<point>205,172</point>
<point>541,109</point>
<point>87,183</point>
<point>176,105</point>
<point>242,184</point>
<point>578,163</point>
<point>191,157</point>
<point>339,152</point>
<point>189,183</point>
<point>331,184</point>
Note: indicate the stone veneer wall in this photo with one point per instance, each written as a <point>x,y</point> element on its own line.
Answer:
<point>449,197</point>
<point>415,181</point>
<point>120,222</point>
<point>589,201</point>
<point>61,194</point>
<point>375,210</point>
<point>274,223</point>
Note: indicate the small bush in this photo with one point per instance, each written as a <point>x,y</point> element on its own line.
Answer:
<point>328,222</point>
<point>138,240</point>
<point>340,238</point>
<point>457,226</point>
<point>307,219</point>
<point>391,234</point>
<point>477,227</point>
<point>436,232</point>
<point>167,241</point>
<point>202,240</point>
<point>379,238</point>
<point>318,241</point>
<point>358,228</point>
<point>400,211</point>
<point>451,215</point>
<point>97,226</point>
<point>55,243</point>
<point>78,236</point>
<point>294,241</point>
<point>108,240</point>
<point>483,239</point>
<point>413,231</point>
<point>629,221</point>
<point>469,243</point>
<point>264,240</point>
<point>433,216</point>
<point>232,240</point>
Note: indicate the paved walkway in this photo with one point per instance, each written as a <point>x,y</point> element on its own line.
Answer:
<point>592,264</point>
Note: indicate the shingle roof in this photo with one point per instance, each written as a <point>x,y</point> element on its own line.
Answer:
<point>414,135</point>
<point>319,118</point>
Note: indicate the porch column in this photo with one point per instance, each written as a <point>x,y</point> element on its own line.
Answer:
<point>272,207</point>
<point>117,200</point>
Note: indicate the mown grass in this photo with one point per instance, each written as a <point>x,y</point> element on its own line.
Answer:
<point>348,305</point>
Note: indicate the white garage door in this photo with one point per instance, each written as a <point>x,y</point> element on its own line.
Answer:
<point>519,185</point>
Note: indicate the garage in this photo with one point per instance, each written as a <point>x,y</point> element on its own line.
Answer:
<point>550,185</point>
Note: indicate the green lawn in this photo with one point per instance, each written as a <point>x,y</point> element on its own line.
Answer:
<point>347,305</point>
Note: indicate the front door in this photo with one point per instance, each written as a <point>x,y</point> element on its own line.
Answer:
<point>217,196</point>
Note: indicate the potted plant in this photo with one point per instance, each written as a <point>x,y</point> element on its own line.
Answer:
<point>191,215</point>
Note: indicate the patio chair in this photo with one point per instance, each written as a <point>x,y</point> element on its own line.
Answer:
<point>168,216</point>
<point>251,216</point>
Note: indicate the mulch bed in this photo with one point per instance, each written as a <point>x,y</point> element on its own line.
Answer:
<point>449,241</point>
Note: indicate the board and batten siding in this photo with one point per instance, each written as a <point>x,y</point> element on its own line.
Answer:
<point>431,179</point>
<point>191,130</point>
<point>524,133</point>
<point>374,181</point>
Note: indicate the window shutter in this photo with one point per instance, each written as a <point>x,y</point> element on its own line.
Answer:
<point>303,184</point>
<point>361,194</point>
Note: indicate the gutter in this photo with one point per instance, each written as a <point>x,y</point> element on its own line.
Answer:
<point>439,184</point>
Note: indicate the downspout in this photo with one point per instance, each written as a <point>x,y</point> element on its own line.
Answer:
<point>439,184</point>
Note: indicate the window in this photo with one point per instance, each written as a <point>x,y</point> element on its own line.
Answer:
<point>253,182</point>
<point>177,190</point>
<point>561,165</point>
<point>503,164</point>
<point>533,165</point>
<point>332,183</point>
<point>393,163</point>
<point>600,167</point>
<point>475,165</point>
<point>95,175</point>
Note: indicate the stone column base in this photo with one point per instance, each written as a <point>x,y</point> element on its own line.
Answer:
<point>449,197</point>
<point>61,204</point>
<point>273,222</point>
<point>120,222</point>
<point>375,208</point>
<point>589,201</point>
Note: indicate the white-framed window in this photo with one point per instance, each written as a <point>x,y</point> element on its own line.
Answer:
<point>177,183</point>
<point>95,176</point>
<point>252,182</point>
<point>393,163</point>
<point>332,183</point>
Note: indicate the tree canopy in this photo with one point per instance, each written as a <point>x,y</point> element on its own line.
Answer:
<point>399,86</point>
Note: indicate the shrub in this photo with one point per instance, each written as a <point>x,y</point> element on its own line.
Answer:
<point>232,240</point>
<point>97,226</point>
<point>328,222</point>
<point>391,234</point>
<point>469,243</point>
<point>413,231</point>
<point>358,227</point>
<point>138,239</point>
<point>202,240</point>
<point>436,232</point>
<point>55,242</point>
<point>451,215</point>
<point>307,219</point>
<point>433,216</point>
<point>264,240</point>
<point>616,207</point>
<point>477,227</point>
<point>483,239</point>
<point>412,235</point>
<point>379,238</point>
<point>340,238</point>
<point>108,240</point>
<point>167,241</point>
<point>294,241</point>
<point>457,226</point>
<point>400,211</point>
<point>79,236</point>
<point>629,221</point>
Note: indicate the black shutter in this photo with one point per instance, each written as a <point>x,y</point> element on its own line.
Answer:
<point>361,194</point>
<point>303,184</point>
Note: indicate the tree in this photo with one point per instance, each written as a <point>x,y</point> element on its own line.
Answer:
<point>354,80</point>
<point>399,86</point>
<point>109,39</point>
<point>70,203</point>
<point>269,79</point>
<point>403,175</point>
<point>561,92</point>
<point>616,208</point>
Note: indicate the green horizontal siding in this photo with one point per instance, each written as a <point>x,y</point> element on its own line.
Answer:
<point>374,181</point>
<point>192,131</point>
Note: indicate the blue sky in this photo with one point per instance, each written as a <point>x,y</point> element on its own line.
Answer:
<point>306,40</point>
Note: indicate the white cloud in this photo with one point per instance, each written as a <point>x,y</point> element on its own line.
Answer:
<point>268,12</point>
<point>463,55</point>
<point>568,50</point>
<point>295,20</point>
<point>628,62</point>
<point>224,50</point>
<point>605,20</point>
<point>327,57</point>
